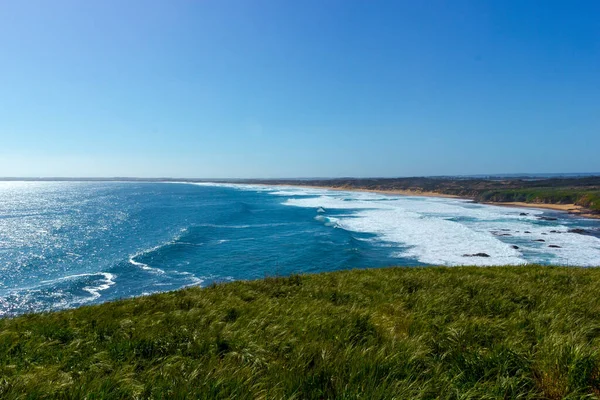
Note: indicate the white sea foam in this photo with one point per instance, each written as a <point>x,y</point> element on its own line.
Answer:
<point>106,275</point>
<point>277,190</point>
<point>290,193</point>
<point>146,267</point>
<point>107,282</point>
<point>143,266</point>
<point>443,231</point>
<point>195,281</point>
<point>239,186</point>
<point>287,191</point>
<point>438,230</point>
<point>321,218</point>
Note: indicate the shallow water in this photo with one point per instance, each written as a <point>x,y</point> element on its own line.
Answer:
<point>65,244</point>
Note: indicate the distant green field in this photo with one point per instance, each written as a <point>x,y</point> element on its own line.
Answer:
<point>407,333</point>
<point>585,198</point>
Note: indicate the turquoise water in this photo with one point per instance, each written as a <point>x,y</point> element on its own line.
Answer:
<point>66,244</point>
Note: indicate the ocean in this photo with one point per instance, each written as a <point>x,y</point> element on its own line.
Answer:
<point>68,244</point>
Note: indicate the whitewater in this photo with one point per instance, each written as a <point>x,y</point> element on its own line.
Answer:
<point>67,244</point>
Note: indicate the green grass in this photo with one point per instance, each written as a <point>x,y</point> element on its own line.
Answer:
<point>406,333</point>
<point>586,198</point>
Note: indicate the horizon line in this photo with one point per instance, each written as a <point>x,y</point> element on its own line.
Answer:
<point>133,178</point>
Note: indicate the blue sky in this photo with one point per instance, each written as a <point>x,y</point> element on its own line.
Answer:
<point>298,88</point>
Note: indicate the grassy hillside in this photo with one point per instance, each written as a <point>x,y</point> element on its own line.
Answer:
<point>504,332</point>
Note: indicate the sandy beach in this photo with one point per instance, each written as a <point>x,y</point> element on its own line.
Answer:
<point>568,208</point>
<point>396,192</point>
<point>575,209</point>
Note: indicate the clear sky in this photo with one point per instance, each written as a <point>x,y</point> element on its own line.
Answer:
<point>286,88</point>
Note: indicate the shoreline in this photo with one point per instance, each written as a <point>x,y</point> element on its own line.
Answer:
<point>571,209</point>
<point>394,192</point>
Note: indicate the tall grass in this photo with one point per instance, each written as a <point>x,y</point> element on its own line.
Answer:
<point>455,333</point>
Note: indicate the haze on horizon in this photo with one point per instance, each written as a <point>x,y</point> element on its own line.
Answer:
<point>236,89</point>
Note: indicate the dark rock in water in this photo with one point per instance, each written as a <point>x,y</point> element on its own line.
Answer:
<point>505,230</point>
<point>526,232</point>
<point>554,232</point>
<point>515,247</point>
<point>523,214</point>
<point>547,218</point>
<point>476,255</point>
<point>501,234</point>
<point>539,240</point>
<point>544,233</point>
<point>554,246</point>
<point>577,230</point>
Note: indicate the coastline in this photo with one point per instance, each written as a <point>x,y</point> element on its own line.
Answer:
<point>394,192</point>
<point>572,209</point>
